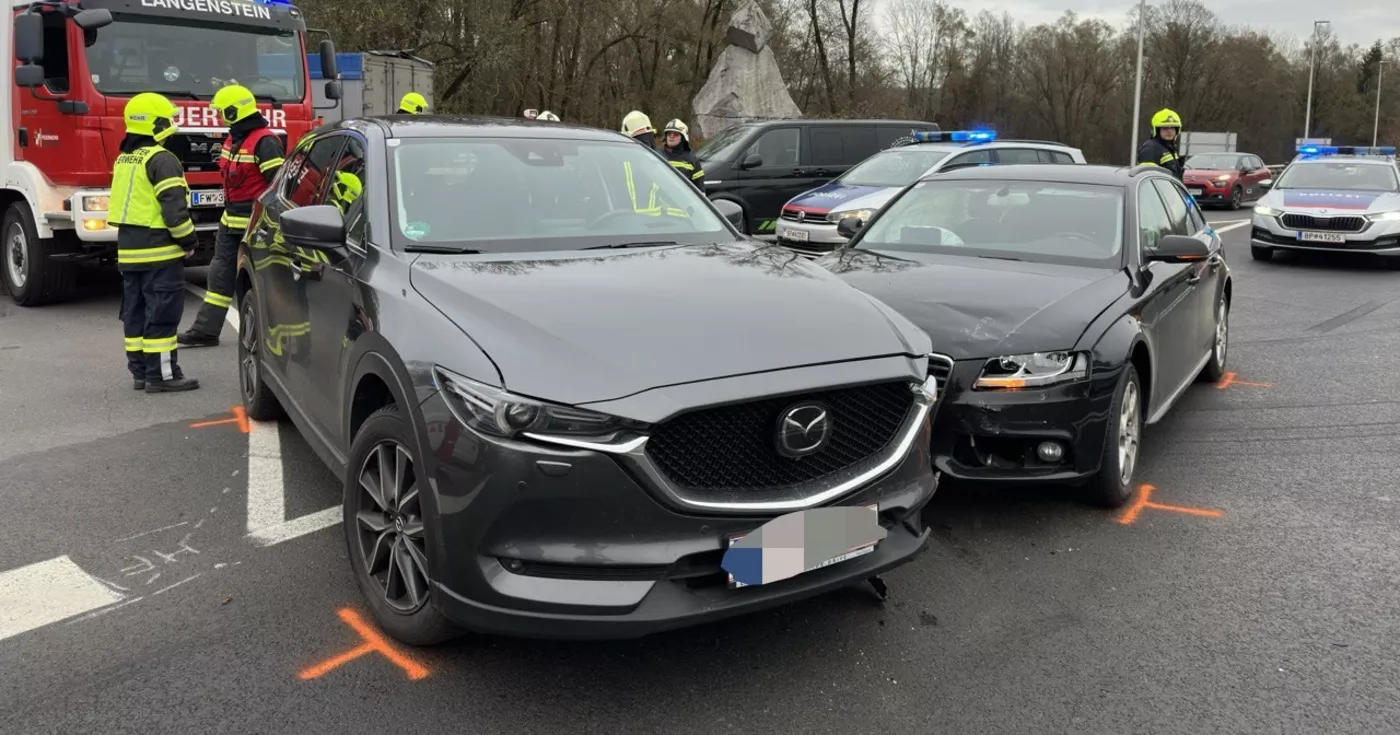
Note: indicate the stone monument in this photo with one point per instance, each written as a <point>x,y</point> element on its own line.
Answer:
<point>745,83</point>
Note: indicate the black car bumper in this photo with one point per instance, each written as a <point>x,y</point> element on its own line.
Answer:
<point>545,542</point>
<point>993,436</point>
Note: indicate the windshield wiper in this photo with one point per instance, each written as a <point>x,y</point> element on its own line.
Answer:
<point>441,249</point>
<point>183,95</point>
<point>623,245</point>
<point>1000,257</point>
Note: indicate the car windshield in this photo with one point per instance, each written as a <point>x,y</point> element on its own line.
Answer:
<point>893,168</point>
<point>722,147</point>
<point>542,194</point>
<point>188,60</point>
<point>1214,161</point>
<point>1065,224</point>
<point>1343,175</point>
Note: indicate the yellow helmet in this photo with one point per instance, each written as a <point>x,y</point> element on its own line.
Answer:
<point>413,103</point>
<point>547,116</point>
<point>347,187</point>
<point>234,103</point>
<point>636,123</point>
<point>152,115</point>
<point>1165,118</point>
<point>678,126</point>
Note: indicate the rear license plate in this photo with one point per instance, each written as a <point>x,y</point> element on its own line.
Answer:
<point>1334,237</point>
<point>1196,191</point>
<point>795,235</point>
<point>207,198</point>
<point>851,553</point>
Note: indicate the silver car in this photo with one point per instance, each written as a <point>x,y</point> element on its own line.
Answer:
<point>1332,200</point>
<point>808,221</point>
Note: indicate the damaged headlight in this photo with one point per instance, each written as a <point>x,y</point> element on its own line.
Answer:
<point>493,411</point>
<point>1034,370</point>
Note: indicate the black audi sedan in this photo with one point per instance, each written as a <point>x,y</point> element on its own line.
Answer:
<point>559,385</point>
<point>1068,306</point>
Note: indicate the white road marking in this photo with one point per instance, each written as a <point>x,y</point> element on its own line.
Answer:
<point>267,507</point>
<point>1230,225</point>
<point>148,533</point>
<point>47,592</point>
<point>230,316</point>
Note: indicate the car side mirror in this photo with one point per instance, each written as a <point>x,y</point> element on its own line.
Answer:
<point>29,38</point>
<point>753,160</point>
<point>1179,249</point>
<point>93,18</point>
<point>1266,184</point>
<point>732,212</point>
<point>29,76</point>
<point>321,226</point>
<point>849,227</point>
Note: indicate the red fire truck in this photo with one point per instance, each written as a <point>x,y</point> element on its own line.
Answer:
<point>80,61</point>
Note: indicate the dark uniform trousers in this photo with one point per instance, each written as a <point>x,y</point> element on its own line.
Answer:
<point>218,295</point>
<point>153,301</point>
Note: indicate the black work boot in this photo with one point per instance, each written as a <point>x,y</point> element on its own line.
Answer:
<point>173,385</point>
<point>138,383</point>
<point>192,338</point>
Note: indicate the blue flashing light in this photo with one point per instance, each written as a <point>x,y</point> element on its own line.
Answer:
<point>273,2</point>
<point>956,136</point>
<point>1310,149</point>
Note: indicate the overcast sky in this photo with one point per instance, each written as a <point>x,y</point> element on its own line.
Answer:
<point>1353,21</point>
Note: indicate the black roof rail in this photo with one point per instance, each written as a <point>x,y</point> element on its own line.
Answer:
<point>1028,140</point>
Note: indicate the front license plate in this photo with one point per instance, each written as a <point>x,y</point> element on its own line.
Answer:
<point>207,198</point>
<point>1334,237</point>
<point>1196,191</point>
<point>795,235</point>
<point>792,551</point>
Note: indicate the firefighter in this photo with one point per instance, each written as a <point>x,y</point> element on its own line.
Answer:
<point>412,104</point>
<point>547,116</point>
<point>345,191</point>
<point>150,208</point>
<point>251,157</point>
<point>675,145</point>
<point>637,126</point>
<point>1162,148</point>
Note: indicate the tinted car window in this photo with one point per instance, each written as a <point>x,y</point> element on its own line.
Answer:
<point>841,145</point>
<point>778,147</point>
<point>723,146</point>
<point>973,158</point>
<point>1153,221</point>
<point>1017,155</point>
<point>1055,157</point>
<point>1215,161</point>
<point>306,177</point>
<point>1067,224</point>
<point>1176,207</point>
<point>347,186</point>
<point>899,167</point>
<point>530,195</point>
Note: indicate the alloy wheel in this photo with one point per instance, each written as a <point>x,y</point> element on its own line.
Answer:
<point>1129,433</point>
<point>248,350</point>
<point>1236,198</point>
<point>1222,334</point>
<point>389,526</point>
<point>15,256</point>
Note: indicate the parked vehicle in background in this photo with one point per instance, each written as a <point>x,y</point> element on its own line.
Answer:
<point>761,165</point>
<point>373,83</point>
<point>1068,305</point>
<point>808,221</point>
<point>1228,179</point>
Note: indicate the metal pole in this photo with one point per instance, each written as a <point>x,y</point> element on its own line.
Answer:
<point>1137,93</point>
<point>1380,77</point>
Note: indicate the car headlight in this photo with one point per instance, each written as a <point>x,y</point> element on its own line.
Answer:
<point>1035,370</point>
<point>1267,211</point>
<point>1384,216</point>
<point>494,411</point>
<point>860,214</point>
<point>1223,177</point>
<point>98,203</point>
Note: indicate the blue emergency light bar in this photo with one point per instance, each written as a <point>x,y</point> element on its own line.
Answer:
<point>955,136</point>
<point>273,2</point>
<point>1310,149</point>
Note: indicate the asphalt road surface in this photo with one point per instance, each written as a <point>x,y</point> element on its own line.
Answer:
<point>181,575</point>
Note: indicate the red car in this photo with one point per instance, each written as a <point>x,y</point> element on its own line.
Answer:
<point>1230,179</point>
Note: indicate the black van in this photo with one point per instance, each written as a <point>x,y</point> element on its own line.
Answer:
<point>762,165</point>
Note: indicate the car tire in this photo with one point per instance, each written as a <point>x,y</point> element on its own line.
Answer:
<point>1236,198</point>
<point>258,401</point>
<point>1259,252</point>
<point>385,533</point>
<point>1112,486</point>
<point>1220,348</point>
<point>30,276</point>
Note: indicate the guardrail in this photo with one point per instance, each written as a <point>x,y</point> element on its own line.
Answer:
<point>1276,169</point>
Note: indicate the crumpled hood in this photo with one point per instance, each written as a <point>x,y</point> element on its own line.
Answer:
<point>837,197</point>
<point>980,308</point>
<point>578,328</point>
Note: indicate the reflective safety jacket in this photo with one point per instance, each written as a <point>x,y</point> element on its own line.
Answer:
<point>248,163</point>
<point>150,207</point>
<point>646,195</point>
<point>687,165</point>
<point>1156,152</point>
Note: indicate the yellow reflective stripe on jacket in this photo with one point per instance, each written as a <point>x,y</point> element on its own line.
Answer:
<point>238,157</point>
<point>1147,163</point>
<point>133,198</point>
<point>683,164</point>
<point>138,256</point>
<point>270,164</point>
<point>219,300</point>
<point>170,183</point>
<point>159,344</point>
<point>1168,158</point>
<point>234,222</point>
<point>699,174</point>
<point>184,229</point>
<point>133,344</point>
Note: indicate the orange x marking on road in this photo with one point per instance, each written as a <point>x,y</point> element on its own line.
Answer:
<point>1231,379</point>
<point>374,642</point>
<point>1144,500</point>
<point>240,417</point>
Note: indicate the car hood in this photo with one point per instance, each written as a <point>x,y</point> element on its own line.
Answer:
<point>1332,201</point>
<point>980,308</point>
<point>584,327</point>
<point>1208,173</point>
<point>836,196</point>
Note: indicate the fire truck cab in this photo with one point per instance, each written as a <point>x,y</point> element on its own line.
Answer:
<point>80,61</point>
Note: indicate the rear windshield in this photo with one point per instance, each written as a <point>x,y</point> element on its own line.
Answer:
<point>1216,161</point>
<point>893,168</point>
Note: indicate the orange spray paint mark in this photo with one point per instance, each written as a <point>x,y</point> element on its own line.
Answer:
<point>1144,500</point>
<point>240,417</point>
<point>1232,379</point>
<point>374,642</point>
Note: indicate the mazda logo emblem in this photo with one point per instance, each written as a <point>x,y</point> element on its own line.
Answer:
<point>803,430</point>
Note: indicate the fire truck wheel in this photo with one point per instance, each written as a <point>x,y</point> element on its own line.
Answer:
<point>31,277</point>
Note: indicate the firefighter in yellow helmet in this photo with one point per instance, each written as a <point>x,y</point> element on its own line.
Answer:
<point>412,104</point>
<point>637,126</point>
<point>249,160</point>
<point>150,209</point>
<point>1163,148</point>
<point>547,116</point>
<point>345,190</point>
<point>675,145</point>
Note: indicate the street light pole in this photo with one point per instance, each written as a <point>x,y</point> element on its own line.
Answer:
<point>1307,116</point>
<point>1380,77</point>
<point>1137,93</point>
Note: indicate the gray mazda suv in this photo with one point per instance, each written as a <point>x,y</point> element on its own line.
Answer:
<point>564,394</point>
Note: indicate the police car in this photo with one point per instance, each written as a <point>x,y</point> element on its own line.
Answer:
<point>808,221</point>
<point>1332,199</point>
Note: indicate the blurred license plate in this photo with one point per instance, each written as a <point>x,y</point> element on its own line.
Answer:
<point>207,198</point>
<point>1196,191</point>
<point>796,235</point>
<point>858,551</point>
<point>1322,237</point>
